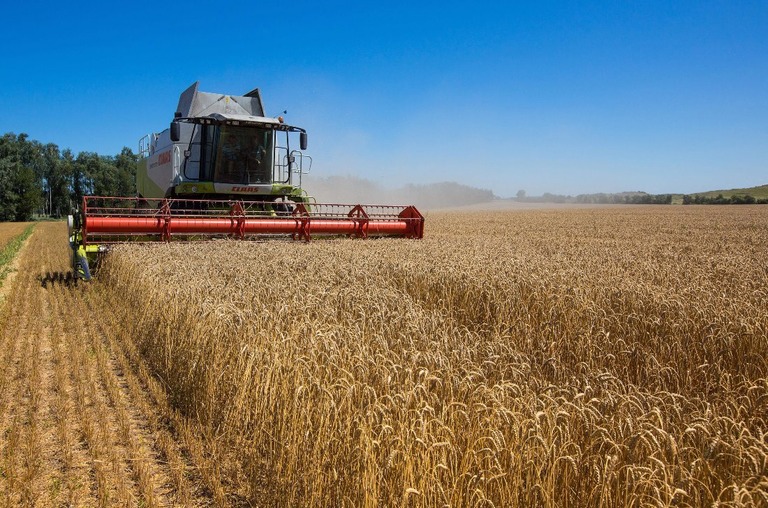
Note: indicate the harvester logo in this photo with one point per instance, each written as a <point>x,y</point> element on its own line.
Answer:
<point>164,158</point>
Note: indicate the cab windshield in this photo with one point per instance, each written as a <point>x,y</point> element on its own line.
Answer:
<point>244,155</point>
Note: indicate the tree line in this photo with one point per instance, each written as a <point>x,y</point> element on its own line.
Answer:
<point>642,198</point>
<point>625,198</point>
<point>735,199</point>
<point>40,180</point>
<point>621,198</point>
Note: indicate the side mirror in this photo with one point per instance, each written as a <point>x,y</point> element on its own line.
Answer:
<point>175,131</point>
<point>303,140</point>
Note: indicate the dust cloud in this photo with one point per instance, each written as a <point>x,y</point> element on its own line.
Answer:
<point>353,190</point>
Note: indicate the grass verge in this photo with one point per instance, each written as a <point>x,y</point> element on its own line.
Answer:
<point>8,253</point>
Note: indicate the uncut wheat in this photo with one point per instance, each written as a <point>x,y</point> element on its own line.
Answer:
<point>611,356</point>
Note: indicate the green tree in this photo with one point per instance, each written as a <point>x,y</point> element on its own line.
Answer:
<point>125,163</point>
<point>37,178</point>
<point>8,199</point>
<point>74,183</point>
<point>27,189</point>
<point>21,169</point>
<point>82,184</point>
<point>56,188</point>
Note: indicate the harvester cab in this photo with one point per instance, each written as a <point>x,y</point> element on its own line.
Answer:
<point>224,170</point>
<point>223,147</point>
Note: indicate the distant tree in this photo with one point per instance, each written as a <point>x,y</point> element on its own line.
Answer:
<point>21,171</point>
<point>19,191</point>
<point>56,183</point>
<point>103,175</point>
<point>27,189</point>
<point>41,179</point>
<point>8,198</point>
<point>74,179</point>
<point>106,176</point>
<point>624,198</point>
<point>720,199</point>
<point>521,195</point>
<point>125,163</point>
<point>548,197</point>
<point>82,168</point>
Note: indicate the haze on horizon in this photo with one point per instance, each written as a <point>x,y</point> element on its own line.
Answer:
<point>548,97</point>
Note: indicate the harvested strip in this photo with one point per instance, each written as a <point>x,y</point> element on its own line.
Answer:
<point>71,429</point>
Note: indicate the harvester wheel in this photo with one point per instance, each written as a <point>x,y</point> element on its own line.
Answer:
<point>81,268</point>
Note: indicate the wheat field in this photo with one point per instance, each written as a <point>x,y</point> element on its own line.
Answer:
<point>609,356</point>
<point>589,357</point>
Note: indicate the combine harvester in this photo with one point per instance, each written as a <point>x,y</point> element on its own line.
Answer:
<point>223,170</point>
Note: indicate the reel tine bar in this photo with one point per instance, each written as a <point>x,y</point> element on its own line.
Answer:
<point>114,220</point>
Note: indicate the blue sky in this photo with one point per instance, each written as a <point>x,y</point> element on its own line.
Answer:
<point>551,96</point>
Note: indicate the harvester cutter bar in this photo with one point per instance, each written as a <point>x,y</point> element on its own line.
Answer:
<point>114,220</point>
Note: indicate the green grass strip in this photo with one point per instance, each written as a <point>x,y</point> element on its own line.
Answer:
<point>11,249</point>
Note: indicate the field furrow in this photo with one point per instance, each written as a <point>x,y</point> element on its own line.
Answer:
<point>20,425</point>
<point>76,477</point>
<point>164,430</point>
